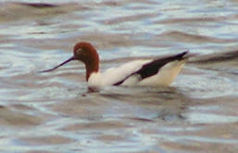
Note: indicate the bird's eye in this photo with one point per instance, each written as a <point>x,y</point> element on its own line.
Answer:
<point>79,51</point>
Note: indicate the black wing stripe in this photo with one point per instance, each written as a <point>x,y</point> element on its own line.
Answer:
<point>153,67</point>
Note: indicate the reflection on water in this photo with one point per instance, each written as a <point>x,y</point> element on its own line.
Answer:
<point>55,112</point>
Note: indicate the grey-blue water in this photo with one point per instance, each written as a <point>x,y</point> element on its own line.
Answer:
<point>53,112</point>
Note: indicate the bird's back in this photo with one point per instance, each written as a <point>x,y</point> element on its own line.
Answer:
<point>157,72</point>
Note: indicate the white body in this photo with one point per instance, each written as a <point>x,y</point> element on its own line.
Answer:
<point>164,77</point>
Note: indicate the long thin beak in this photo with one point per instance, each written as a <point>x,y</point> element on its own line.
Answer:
<point>52,69</point>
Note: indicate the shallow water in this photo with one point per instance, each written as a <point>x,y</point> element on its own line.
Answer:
<point>54,112</point>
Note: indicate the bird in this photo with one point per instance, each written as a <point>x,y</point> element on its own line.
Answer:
<point>144,72</point>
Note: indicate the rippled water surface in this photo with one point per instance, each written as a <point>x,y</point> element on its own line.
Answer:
<point>54,112</point>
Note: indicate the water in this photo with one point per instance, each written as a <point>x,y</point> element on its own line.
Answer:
<point>53,112</point>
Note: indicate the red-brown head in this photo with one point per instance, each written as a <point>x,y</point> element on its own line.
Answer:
<point>86,53</point>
